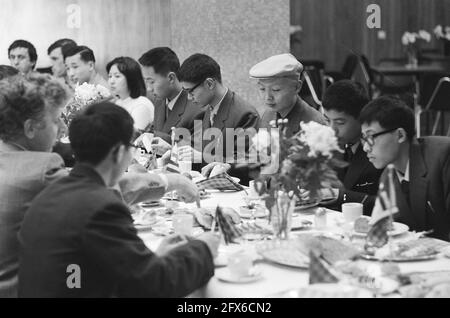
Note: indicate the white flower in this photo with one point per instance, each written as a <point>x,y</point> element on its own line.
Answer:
<point>88,93</point>
<point>425,35</point>
<point>320,139</point>
<point>103,91</point>
<point>438,31</point>
<point>405,38</point>
<point>264,140</point>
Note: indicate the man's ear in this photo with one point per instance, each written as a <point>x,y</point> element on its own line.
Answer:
<point>29,128</point>
<point>402,136</point>
<point>117,153</point>
<point>211,83</point>
<point>299,86</point>
<point>91,65</point>
<point>172,77</point>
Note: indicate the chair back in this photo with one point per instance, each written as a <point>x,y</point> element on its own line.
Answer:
<point>439,108</point>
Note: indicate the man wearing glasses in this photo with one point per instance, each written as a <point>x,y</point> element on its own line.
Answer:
<point>201,78</point>
<point>422,165</point>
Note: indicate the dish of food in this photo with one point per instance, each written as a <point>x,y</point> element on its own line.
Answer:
<point>283,253</point>
<point>225,275</point>
<point>399,228</point>
<point>404,252</point>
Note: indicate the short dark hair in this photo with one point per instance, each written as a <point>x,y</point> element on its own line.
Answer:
<point>99,128</point>
<point>345,96</point>
<point>133,75</point>
<point>27,98</point>
<point>162,59</point>
<point>25,44</point>
<point>86,54</point>
<point>60,44</point>
<point>7,71</point>
<point>390,112</point>
<point>198,67</point>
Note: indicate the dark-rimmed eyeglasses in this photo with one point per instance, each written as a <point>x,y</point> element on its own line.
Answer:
<point>192,89</point>
<point>370,139</point>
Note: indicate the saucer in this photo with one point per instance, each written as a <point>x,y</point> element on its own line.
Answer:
<point>226,276</point>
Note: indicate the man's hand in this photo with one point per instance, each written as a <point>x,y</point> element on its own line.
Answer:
<point>212,240</point>
<point>189,154</point>
<point>160,146</point>
<point>186,189</point>
<point>215,168</point>
<point>169,243</point>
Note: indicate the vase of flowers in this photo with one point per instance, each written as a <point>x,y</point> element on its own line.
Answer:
<point>443,34</point>
<point>306,163</point>
<point>412,45</point>
<point>85,94</point>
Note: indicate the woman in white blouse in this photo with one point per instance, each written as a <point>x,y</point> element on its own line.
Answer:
<point>127,84</point>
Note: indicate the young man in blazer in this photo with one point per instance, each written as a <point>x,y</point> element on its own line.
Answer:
<point>201,78</point>
<point>422,165</point>
<point>342,104</point>
<point>78,223</point>
<point>160,67</point>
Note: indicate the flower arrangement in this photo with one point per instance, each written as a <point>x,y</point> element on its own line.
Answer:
<point>442,33</point>
<point>411,41</point>
<point>307,162</point>
<point>85,94</point>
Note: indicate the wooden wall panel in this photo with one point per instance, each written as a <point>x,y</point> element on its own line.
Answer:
<point>333,28</point>
<point>110,27</point>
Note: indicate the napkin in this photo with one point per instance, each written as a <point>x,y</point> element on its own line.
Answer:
<point>221,182</point>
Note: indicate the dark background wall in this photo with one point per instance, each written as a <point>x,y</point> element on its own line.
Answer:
<point>334,28</point>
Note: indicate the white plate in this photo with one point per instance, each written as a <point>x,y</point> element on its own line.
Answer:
<point>326,291</point>
<point>399,228</point>
<point>225,276</point>
<point>138,224</point>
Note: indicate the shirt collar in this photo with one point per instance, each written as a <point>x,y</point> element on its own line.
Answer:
<point>404,176</point>
<point>215,109</point>
<point>171,103</point>
<point>13,146</point>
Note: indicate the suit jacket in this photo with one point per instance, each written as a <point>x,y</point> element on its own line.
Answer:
<point>233,113</point>
<point>183,114</point>
<point>429,187</point>
<point>77,220</point>
<point>360,180</point>
<point>23,174</point>
<point>300,112</point>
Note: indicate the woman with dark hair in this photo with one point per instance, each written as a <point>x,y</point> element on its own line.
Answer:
<point>127,84</point>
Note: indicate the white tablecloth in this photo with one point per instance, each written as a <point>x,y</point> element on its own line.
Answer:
<point>276,278</point>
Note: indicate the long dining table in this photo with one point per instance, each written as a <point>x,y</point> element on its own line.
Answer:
<point>276,278</point>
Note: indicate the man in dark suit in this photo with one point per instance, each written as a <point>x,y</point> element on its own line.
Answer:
<point>422,165</point>
<point>78,237</point>
<point>160,66</point>
<point>230,119</point>
<point>279,84</point>
<point>342,104</point>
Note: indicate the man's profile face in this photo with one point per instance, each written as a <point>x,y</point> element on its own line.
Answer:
<point>78,70</point>
<point>386,148</point>
<point>158,85</point>
<point>20,59</point>
<point>48,128</point>
<point>57,61</point>
<point>346,127</point>
<point>278,94</point>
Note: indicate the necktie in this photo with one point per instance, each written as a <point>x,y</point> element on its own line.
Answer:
<point>167,111</point>
<point>348,156</point>
<point>404,185</point>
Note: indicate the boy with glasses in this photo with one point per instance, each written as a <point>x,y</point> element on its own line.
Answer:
<point>422,178</point>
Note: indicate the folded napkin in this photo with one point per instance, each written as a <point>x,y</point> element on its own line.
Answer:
<point>221,182</point>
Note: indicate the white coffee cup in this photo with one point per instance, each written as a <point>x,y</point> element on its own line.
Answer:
<point>183,223</point>
<point>240,264</point>
<point>185,166</point>
<point>352,211</point>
